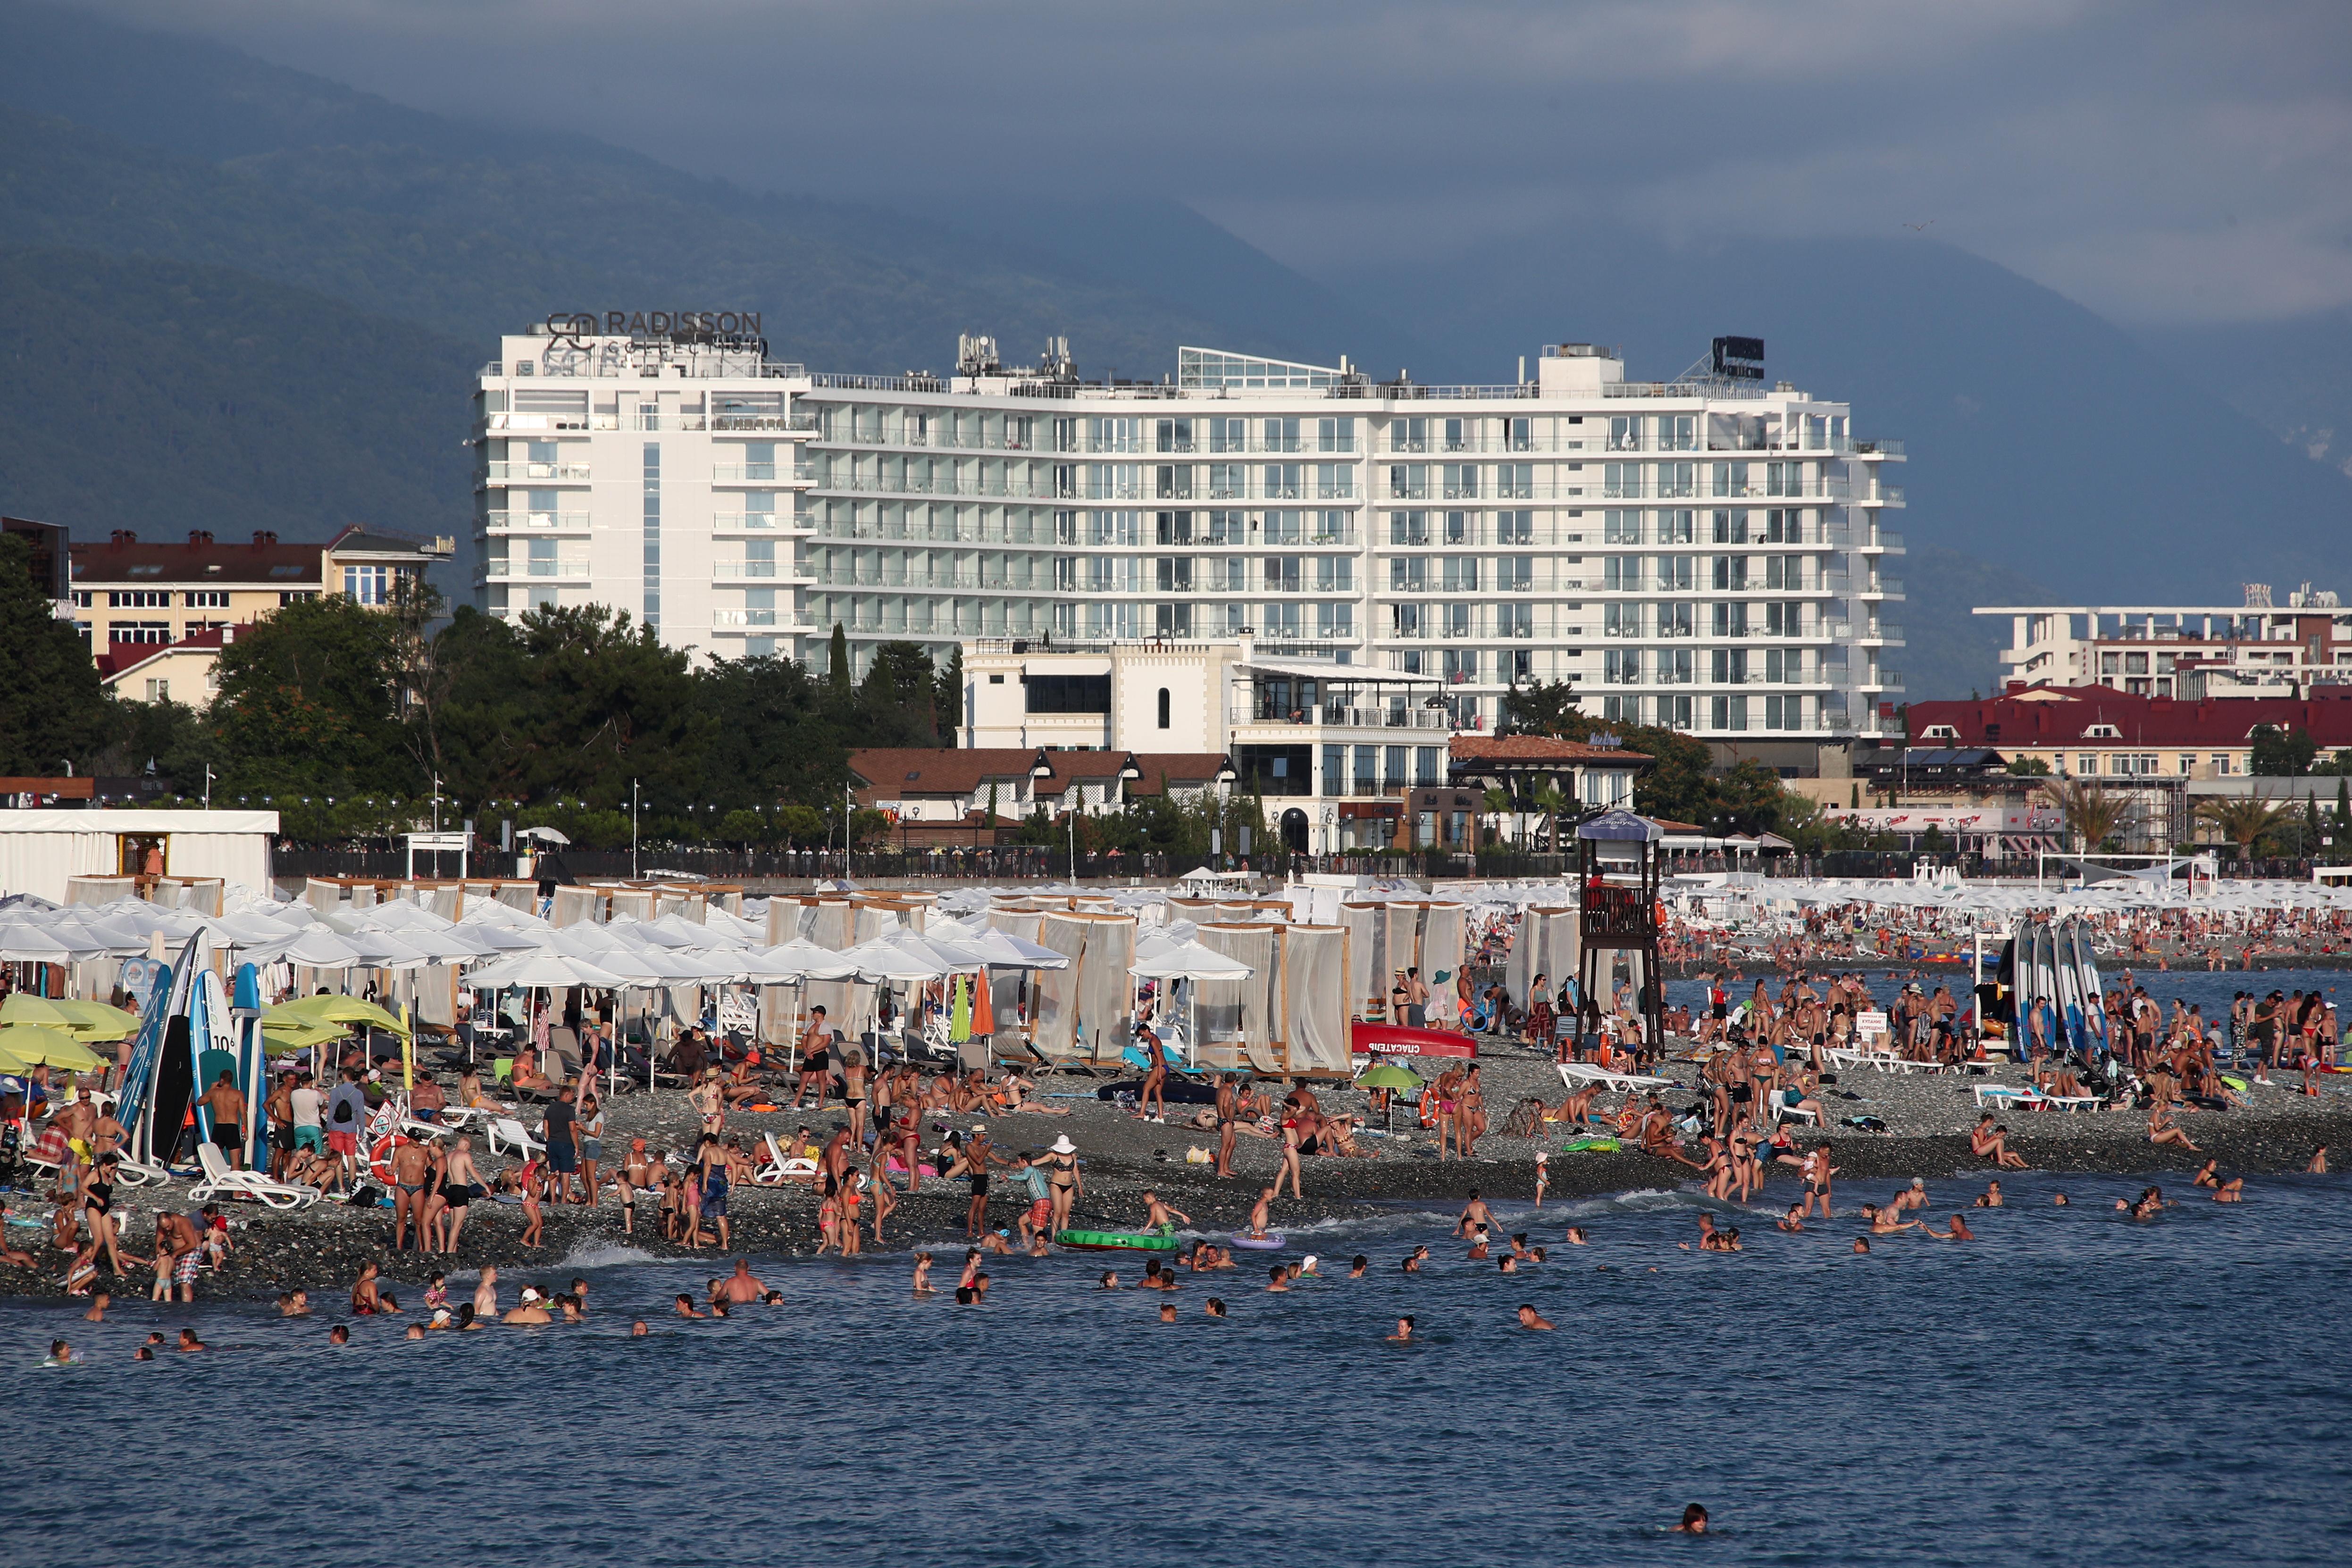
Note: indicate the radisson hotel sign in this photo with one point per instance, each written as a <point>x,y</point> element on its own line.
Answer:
<point>742,325</point>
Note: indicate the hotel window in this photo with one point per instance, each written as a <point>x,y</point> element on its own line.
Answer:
<point>140,599</point>
<point>1408,528</point>
<point>159,692</point>
<point>1620,525</point>
<point>152,633</point>
<point>2221,763</point>
<point>1674,712</point>
<point>1335,435</point>
<point>1515,528</point>
<point>1367,780</point>
<point>1228,435</point>
<point>367,584</point>
<point>207,599</point>
<point>2188,762</point>
<point>1335,573</point>
<point>1334,620</point>
<point>2087,765</point>
<point>1514,621</point>
<point>1522,665</point>
<point>1730,712</point>
<point>1281,436</point>
<point>1280,574</point>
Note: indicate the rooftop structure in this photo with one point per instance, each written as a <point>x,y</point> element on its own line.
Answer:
<point>2096,732</point>
<point>1706,553</point>
<point>2197,652</point>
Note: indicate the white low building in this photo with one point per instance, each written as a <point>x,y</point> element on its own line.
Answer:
<point>1705,553</point>
<point>42,851</point>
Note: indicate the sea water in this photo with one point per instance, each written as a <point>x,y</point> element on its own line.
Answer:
<point>2072,1387</point>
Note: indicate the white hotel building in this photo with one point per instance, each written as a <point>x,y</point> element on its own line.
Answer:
<point>1705,553</point>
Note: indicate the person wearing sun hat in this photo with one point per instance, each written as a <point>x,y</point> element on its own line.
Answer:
<point>1061,1162</point>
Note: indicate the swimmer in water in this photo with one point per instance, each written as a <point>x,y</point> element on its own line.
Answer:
<point>1957,1231</point>
<point>1576,1236</point>
<point>2318,1166</point>
<point>1167,1311</point>
<point>923,1286</point>
<point>1862,1244</point>
<point>1532,1318</point>
<point>2059,1200</point>
<point>1109,1280</point>
<point>1403,1334</point>
<point>1794,1220</point>
<point>1216,1307</point>
<point>1992,1198</point>
<point>61,1354</point>
<point>1694,1522</point>
<point>1278,1278</point>
<point>1357,1265</point>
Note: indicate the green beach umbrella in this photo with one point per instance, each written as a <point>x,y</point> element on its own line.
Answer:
<point>20,1008</point>
<point>97,1021</point>
<point>1388,1075</point>
<point>30,1044</point>
<point>314,1010</point>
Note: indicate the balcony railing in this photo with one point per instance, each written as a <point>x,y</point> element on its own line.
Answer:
<point>553,521</point>
<point>557,472</point>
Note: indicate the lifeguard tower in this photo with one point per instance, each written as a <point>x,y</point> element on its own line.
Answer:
<point>1619,859</point>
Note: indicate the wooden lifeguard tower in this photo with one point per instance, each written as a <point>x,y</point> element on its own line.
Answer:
<point>1620,857</point>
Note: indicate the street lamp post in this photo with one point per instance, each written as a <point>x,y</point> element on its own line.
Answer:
<point>633,829</point>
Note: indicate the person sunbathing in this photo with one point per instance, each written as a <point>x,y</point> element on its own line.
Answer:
<point>743,1086</point>
<point>1991,1142</point>
<point>2160,1130</point>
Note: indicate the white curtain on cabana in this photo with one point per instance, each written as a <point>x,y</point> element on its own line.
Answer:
<point>1107,988</point>
<point>1546,946</point>
<point>1441,953</point>
<point>1313,996</point>
<point>1367,976</point>
<point>1243,1007</point>
<point>1057,1027</point>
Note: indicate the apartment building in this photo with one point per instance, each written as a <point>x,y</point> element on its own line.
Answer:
<point>156,615</point>
<point>1707,553</point>
<point>2194,652</point>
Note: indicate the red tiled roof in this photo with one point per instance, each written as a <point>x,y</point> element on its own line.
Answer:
<point>121,657</point>
<point>264,561</point>
<point>1537,749</point>
<point>2061,716</point>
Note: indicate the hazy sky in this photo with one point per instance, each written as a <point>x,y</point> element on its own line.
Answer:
<point>2158,162</point>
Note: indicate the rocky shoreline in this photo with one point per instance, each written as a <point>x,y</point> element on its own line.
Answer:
<point>323,1249</point>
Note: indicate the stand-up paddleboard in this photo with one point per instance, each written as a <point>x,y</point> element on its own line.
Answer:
<point>2068,1035</point>
<point>212,1041</point>
<point>162,1086</point>
<point>139,1077</point>
<point>1270,1242</point>
<point>2086,979</point>
<point>2020,962</point>
<point>2045,986</point>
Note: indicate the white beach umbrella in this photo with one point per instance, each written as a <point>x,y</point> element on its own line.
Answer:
<point>544,968</point>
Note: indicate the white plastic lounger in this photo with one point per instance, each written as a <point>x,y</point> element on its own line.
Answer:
<point>223,1180</point>
<point>779,1168</point>
<point>508,1136</point>
<point>1584,1075</point>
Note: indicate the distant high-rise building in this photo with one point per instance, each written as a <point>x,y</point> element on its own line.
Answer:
<point>1705,553</point>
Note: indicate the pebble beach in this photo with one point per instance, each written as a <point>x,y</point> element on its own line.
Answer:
<point>1925,1116</point>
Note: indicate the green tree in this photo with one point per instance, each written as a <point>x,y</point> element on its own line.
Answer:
<point>836,668</point>
<point>947,699</point>
<point>771,738</point>
<point>2244,821</point>
<point>2090,813</point>
<point>2028,768</point>
<point>2281,754</point>
<point>53,707</point>
<point>310,705</point>
<point>1545,707</point>
<point>1678,784</point>
<point>894,701</point>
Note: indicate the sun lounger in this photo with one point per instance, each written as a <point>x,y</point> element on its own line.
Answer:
<point>1584,1075</point>
<point>222,1181</point>
<point>508,1135</point>
<point>778,1167</point>
<point>133,1173</point>
<point>2009,1094</point>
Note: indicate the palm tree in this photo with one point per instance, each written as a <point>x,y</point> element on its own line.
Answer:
<point>2091,812</point>
<point>2242,821</point>
<point>1498,801</point>
<point>1551,803</point>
